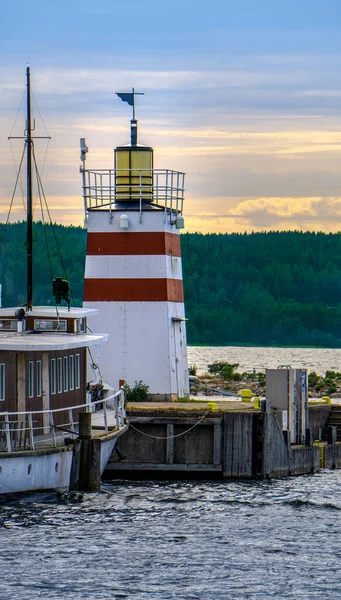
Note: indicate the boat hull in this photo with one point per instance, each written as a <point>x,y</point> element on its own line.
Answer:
<point>35,470</point>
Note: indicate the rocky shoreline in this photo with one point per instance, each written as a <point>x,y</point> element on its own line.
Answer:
<point>225,377</point>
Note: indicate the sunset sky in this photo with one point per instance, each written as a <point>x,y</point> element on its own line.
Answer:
<point>244,96</point>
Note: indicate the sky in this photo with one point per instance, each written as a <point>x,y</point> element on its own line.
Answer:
<point>242,95</point>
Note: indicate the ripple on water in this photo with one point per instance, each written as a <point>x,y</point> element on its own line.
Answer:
<point>206,540</point>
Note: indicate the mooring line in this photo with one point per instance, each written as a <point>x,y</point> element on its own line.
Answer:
<point>168,437</point>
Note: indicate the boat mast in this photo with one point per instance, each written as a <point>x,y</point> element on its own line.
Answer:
<point>29,237</point>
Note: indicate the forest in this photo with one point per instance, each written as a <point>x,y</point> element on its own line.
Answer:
<point>277,288</point>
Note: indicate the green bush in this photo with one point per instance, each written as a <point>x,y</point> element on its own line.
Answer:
<point>313,379</point>
<point>261,377</point>
<point>139,393</point>
<point>330,375</point>
<point>218,366</point>
<point>228,371</point>
<point>331,385</point>
<point>193,369</point>
<point>237,377</point>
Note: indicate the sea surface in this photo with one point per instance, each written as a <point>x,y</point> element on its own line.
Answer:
<point>195,540</point>
<point>313,359</point>
<point>198,540</point>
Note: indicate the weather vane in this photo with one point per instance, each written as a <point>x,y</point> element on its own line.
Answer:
<point>130,98</point>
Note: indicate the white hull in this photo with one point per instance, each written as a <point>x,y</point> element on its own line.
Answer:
<point>30,471</point>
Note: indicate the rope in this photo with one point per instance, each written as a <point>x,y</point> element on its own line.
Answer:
<point>168,437</point>
<point>11,204</point>
<point>94,366</point>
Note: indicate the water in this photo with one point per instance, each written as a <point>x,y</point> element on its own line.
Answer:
<point>198,540</point>
<point>313,359</point>
<point>177,540</point>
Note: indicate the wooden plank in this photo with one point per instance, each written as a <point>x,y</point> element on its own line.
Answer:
<point>217,443</point>
<point>173,420</point>
<point>170,444</point>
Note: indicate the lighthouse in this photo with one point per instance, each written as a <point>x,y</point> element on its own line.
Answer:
<point>133,271</point>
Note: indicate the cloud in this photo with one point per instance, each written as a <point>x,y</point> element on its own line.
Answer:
<point>264,214</point>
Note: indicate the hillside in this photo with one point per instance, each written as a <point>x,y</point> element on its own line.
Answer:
<point>279,288</point>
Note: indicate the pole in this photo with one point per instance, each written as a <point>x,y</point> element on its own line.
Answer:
<point>29,237</point>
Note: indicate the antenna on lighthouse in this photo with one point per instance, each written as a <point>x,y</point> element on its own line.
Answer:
<point>130,99</point>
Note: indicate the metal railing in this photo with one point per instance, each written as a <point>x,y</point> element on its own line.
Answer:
<point>106,188</point>
<point>22,430</point>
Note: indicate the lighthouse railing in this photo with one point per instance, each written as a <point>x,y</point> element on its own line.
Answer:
<point>105,188</point>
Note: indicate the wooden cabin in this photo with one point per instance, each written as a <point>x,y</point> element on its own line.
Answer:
<point>43,359</point>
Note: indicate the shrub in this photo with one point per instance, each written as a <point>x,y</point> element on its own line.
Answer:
<point>228,371</point>
<point>237,377</point>
<point>331,386</point>
<point>192,369</point>
<point>261,378</point>
<point>313,379</point>
<point>219,365</point>
<point>139,393</point>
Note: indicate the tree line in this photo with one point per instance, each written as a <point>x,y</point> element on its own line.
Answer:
<point>277,288</point>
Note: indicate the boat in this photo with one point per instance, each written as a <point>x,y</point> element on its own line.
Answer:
<point>57,429</point>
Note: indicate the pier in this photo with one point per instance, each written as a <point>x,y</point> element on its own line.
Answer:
<point>235,441</point>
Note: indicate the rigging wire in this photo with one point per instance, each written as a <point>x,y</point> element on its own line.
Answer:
<point>51,223</point>
<point>37,107</point>
<point>11,204</point>
<point>19,109</point>
<point>20,178</point>
<point>10,143</point>
<point>43,221</point>
<point>45,236</point>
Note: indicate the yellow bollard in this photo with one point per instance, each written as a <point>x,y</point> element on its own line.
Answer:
<point>213,406</point>
<point>245,395</point>
<point>257,402</point>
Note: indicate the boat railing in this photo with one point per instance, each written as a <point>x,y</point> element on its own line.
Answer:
<point>109,188</point>
<point>31,430</point>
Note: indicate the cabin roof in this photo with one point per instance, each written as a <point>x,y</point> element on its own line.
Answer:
<point>29,341</point>
<point>50,311</point>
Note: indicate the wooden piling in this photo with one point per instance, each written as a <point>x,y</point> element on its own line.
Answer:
<point>86,467</point>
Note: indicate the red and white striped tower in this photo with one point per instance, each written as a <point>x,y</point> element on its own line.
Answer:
<point>133,271</point>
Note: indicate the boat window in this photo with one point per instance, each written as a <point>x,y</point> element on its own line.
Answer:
<point>50,325</point>
<point>53,376</point>
<point>8,324</point>
<point>66,373</point>
<point>59,375</point>
<point>31,379</point>
<point>72,372</point>
<point>78,371</point>
<point>2,381</point>
<point>39,379</point>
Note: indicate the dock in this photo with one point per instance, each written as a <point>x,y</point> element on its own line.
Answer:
<point>233,441</point>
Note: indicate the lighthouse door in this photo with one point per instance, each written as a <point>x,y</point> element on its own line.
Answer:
<point>179,358</point>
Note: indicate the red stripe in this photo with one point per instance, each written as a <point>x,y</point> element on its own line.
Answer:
<point>133,243</point>
<point>133,290</point>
